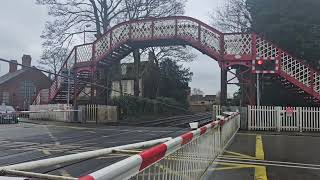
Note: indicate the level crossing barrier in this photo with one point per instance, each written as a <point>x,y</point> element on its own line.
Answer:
<point>273,118</point>
<point>185,157</point>
<point>26,166</point>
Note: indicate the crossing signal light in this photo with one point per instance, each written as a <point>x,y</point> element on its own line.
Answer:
<point>265,65</point>
<point>260,62</point>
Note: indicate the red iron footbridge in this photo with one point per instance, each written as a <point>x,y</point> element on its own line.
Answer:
<point>247,51</point>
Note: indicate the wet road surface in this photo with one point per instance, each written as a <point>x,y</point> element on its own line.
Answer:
<point>263,156</point>
<point>28,142</point>
<point>250,156</point>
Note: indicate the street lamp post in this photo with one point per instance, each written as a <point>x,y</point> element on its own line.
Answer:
<point>68,96</point>
<point>84,32</point>
<point>69,73</point>
<point>258,89</point>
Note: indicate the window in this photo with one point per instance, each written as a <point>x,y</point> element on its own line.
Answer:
<point>27,89</point>
<point>124,69</point>
<point>116,89</point>
<point>5,97</point>
<point>124,86</point>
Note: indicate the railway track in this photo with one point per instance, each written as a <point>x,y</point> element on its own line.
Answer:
<point>178,121</point>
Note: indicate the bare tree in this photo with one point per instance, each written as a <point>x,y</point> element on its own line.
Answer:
<point>52,60</point>
<point>196,91</point>
<point>175,53</point>
<point>233,17</point>
<point>140,9</point>
<point>70,17</point>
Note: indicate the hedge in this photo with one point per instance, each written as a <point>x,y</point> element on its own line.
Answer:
<point>131,106</point>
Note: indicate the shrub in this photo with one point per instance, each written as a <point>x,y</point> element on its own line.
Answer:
<point>131,106</point>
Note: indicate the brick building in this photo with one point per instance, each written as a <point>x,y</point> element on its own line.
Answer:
<point>200,103</point>
<point>19,87</point>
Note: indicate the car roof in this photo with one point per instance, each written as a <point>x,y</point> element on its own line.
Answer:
<point>5,108</point>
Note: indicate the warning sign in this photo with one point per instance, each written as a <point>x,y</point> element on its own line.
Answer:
<point>289,111</point>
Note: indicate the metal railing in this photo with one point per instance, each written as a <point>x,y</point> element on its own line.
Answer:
<point>185,157</point>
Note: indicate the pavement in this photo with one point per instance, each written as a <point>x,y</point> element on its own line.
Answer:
<point>25,142</point>
<point>266,156</point>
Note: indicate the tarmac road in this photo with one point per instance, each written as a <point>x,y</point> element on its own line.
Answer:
<point>28,142</point>
<point>250,156</point>
<point>263,156</point>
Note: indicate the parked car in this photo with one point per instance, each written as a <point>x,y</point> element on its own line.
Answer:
<point>8,115</point>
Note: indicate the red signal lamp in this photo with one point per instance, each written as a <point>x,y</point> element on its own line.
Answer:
<point>259,62</point>
<point>265,65</point>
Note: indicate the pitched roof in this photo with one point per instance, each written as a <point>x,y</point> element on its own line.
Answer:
<point>202,98</point>
<point>11,75</point>
<point>196,98</point>
<point>210,97</point>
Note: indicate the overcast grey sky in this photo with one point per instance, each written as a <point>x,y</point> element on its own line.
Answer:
<point>206,70</point>
<point>21,24</point>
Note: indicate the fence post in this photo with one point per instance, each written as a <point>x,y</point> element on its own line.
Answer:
<point>214,112</point>
<point>220,138</point>
<point>249,118</point>
<point>299,116</point>
<point>279,117</point>
<point>81,114</point>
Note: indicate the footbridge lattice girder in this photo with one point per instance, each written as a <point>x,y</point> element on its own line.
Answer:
<point>227,48</point>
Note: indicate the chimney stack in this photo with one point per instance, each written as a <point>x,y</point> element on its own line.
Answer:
<point>26,61</point>
<point>13,66</point>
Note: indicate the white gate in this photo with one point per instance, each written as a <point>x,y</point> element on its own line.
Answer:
<point>94,113</point>
<point>262,118</point>
<point>266,118</point>
<point>289,119</point>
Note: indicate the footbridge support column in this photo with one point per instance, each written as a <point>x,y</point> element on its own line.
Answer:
<point>223,86</point>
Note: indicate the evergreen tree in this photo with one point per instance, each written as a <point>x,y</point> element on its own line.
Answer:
<point>174,81</point>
